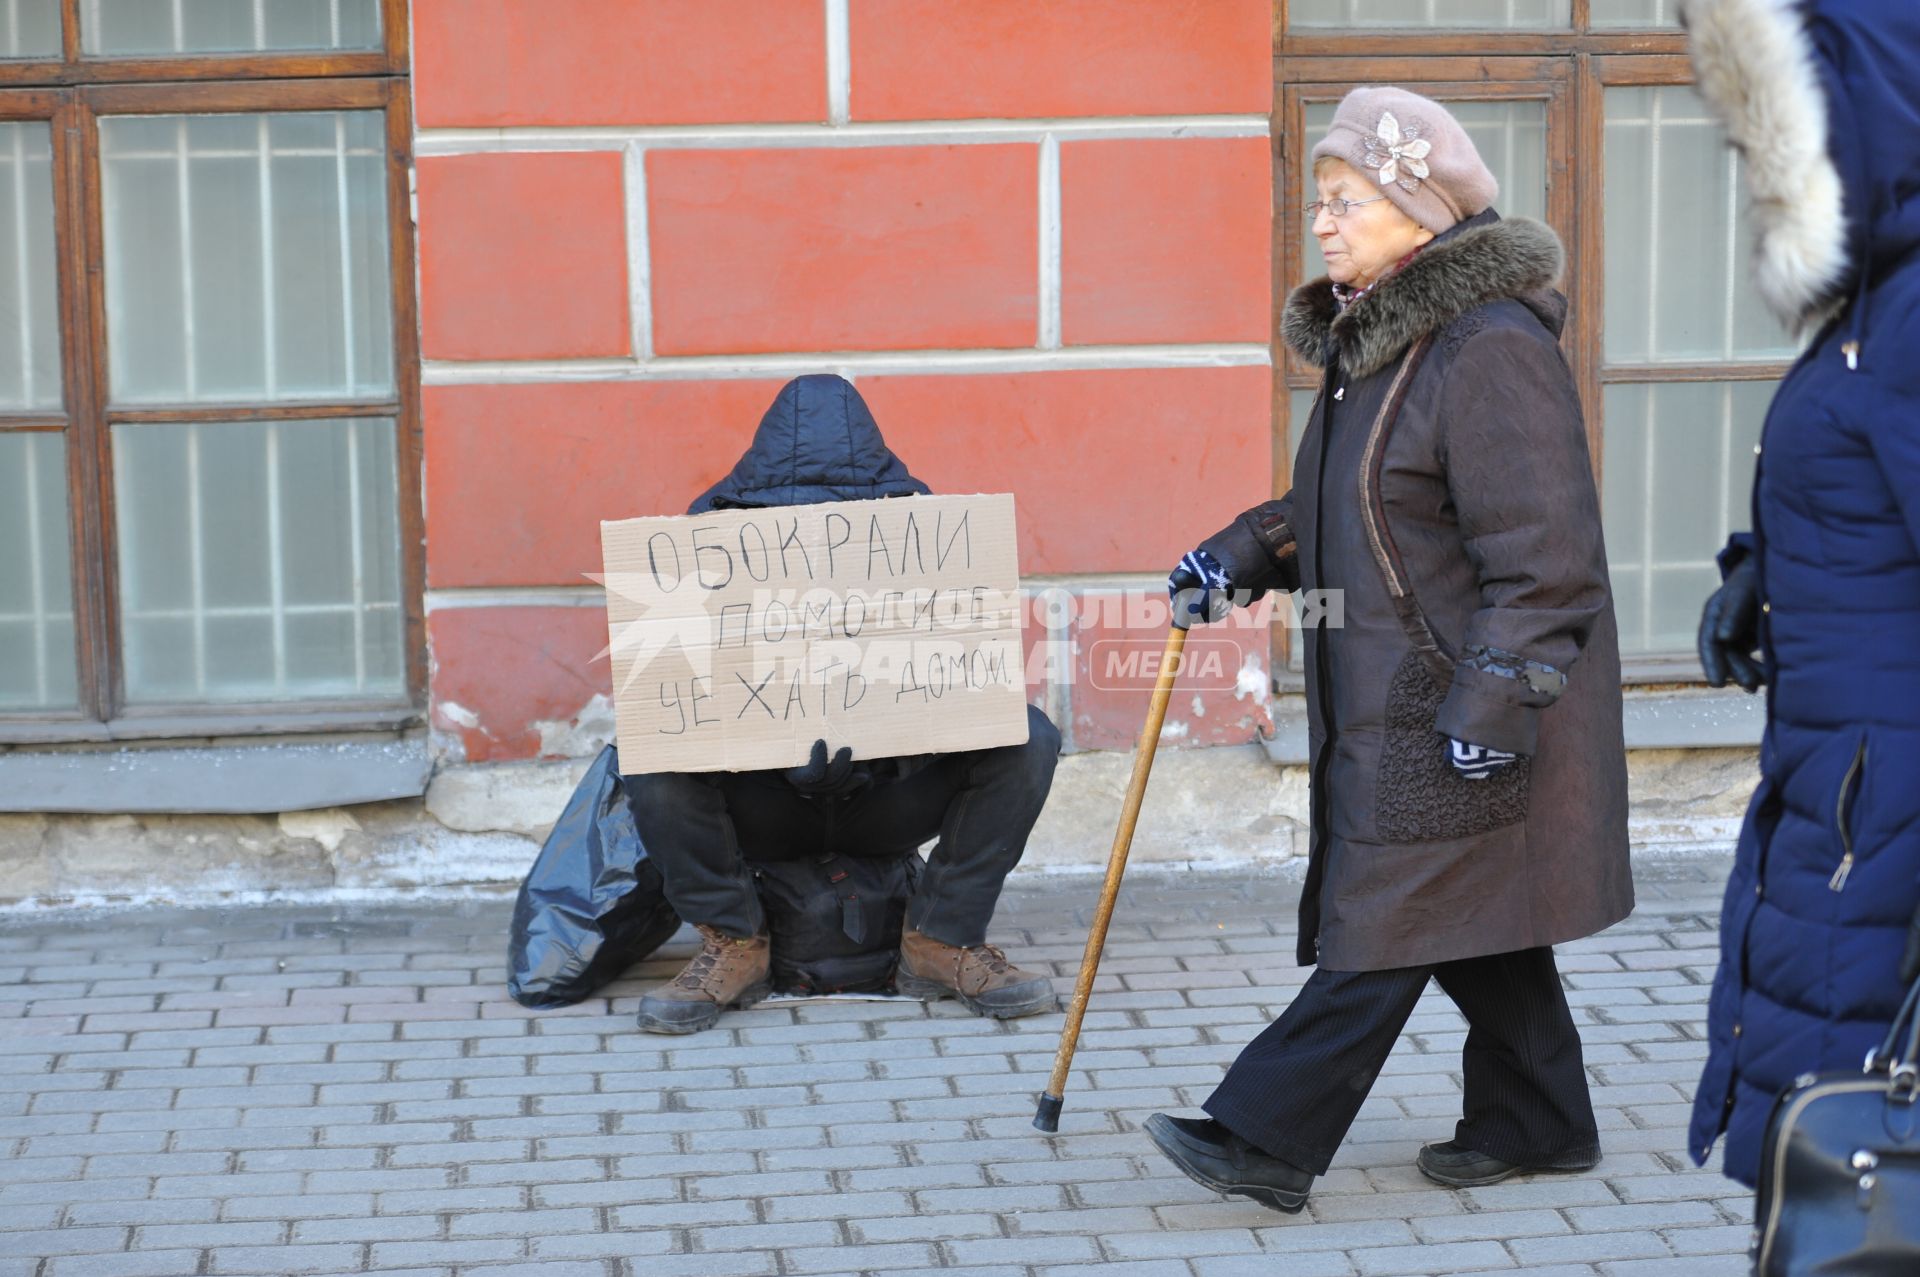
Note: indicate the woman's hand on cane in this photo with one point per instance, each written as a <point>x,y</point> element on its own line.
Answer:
<point>1201,590</point>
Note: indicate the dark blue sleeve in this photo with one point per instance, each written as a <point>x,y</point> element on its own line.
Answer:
<point>1738,549</point>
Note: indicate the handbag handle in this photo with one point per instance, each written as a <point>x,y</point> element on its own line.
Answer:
<point>1905,1077</point>
<point>1903,1069</point>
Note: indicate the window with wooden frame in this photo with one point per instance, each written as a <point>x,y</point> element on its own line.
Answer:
<point>1585,112</point>
<point>209,441</point>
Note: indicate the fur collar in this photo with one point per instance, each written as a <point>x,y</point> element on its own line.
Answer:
<point>1481,261</point>
<point>1755,63</point>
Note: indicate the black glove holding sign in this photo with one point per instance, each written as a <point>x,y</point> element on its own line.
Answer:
<point>820,777</point>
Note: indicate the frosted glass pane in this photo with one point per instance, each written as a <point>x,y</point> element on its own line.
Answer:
<point>1510,136</point>
<point>163,27</point>
<point>29,28</point>
<point>246,257</point>
<point>1678,287</point>
<point>1643,15</point>
<point>259,561</point>
<point>1677,473</point>
<point>36,591</point>
<point>1494,15</point>
<point>29,308</point>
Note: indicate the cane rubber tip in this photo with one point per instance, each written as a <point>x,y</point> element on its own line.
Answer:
<point>1047,1118</point>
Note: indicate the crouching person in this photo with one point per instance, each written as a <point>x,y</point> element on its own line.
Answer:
<point>818,443</point>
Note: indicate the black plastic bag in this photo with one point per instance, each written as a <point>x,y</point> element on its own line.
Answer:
<point>592,904</point>
<point>835,920</point>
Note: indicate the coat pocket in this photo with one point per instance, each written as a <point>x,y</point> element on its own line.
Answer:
<point>1418,796</point>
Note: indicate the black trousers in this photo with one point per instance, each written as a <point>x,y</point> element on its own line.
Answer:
<point>1297,1087</point>
<point>700,829</point>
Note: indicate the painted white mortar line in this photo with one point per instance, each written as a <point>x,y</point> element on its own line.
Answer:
<point>849,364</point>
<point>639,254</point>
<point>839,64</point>
<point>517,596</point>
<point>1050,242</point>
<point>867,133</point>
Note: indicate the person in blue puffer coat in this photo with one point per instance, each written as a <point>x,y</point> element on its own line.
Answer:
<point>1821,602</point>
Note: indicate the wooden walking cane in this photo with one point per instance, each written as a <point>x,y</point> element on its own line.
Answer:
<point>1047,1118</point>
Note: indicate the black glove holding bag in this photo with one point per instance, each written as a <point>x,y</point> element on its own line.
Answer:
<point>1730,630</point>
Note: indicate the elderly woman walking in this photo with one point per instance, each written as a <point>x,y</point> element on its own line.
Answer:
<point>1468,772</point>
<point>1821,602</point>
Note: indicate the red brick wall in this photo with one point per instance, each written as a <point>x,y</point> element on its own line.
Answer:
<point>1035,235</point>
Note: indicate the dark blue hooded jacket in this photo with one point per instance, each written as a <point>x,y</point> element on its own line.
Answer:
<point>1827,871</point>
<point>818,442</point>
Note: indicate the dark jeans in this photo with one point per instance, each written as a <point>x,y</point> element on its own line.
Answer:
<point>701,828</point>
<point>1297,1087</point>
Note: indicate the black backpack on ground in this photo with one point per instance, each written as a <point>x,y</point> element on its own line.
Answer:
<point>836,920</point>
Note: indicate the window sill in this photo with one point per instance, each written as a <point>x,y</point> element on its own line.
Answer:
<point>202,726</point>
<point>233,779</point>
<point>1687,718</point>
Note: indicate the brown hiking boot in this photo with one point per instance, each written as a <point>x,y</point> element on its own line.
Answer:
<point>725,973</point>
<point>981,978</point>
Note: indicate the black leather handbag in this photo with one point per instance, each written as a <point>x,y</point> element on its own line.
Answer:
<point>1839,1191</point>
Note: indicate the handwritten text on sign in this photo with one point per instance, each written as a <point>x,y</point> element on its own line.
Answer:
<point>739,637</point>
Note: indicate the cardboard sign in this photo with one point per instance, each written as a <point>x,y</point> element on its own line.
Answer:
<point>740,637</point>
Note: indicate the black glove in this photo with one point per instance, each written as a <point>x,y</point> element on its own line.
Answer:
<point>1730,630</point>
<point>1910,965</point>
<point>1200,589</point>
<point>820,778</point>
<point>1476,762</point>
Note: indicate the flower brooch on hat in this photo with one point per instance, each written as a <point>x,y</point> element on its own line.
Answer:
<point>1399,154</point>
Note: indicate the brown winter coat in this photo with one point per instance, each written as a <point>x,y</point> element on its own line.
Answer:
<point>1444,486</point>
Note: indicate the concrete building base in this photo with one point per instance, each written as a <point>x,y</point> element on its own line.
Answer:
<point>479,826</point>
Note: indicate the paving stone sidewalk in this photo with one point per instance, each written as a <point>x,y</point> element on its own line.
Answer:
<point>284,1090</point>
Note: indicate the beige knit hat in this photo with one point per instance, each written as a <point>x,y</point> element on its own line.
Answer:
<point>1424,161</point>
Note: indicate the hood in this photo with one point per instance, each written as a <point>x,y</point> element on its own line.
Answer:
<point>1481,260</point>
<point>818,442</point>
<point>1822,97</point>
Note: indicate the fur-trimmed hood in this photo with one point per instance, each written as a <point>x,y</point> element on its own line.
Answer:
<point>1822,98</point>
<point>1481,260</point>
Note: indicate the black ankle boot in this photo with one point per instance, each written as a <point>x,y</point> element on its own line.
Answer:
<point>1457,1166</point>
<point>1216,1158</point>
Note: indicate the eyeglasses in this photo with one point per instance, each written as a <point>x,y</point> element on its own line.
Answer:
<point>1337,207</point>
